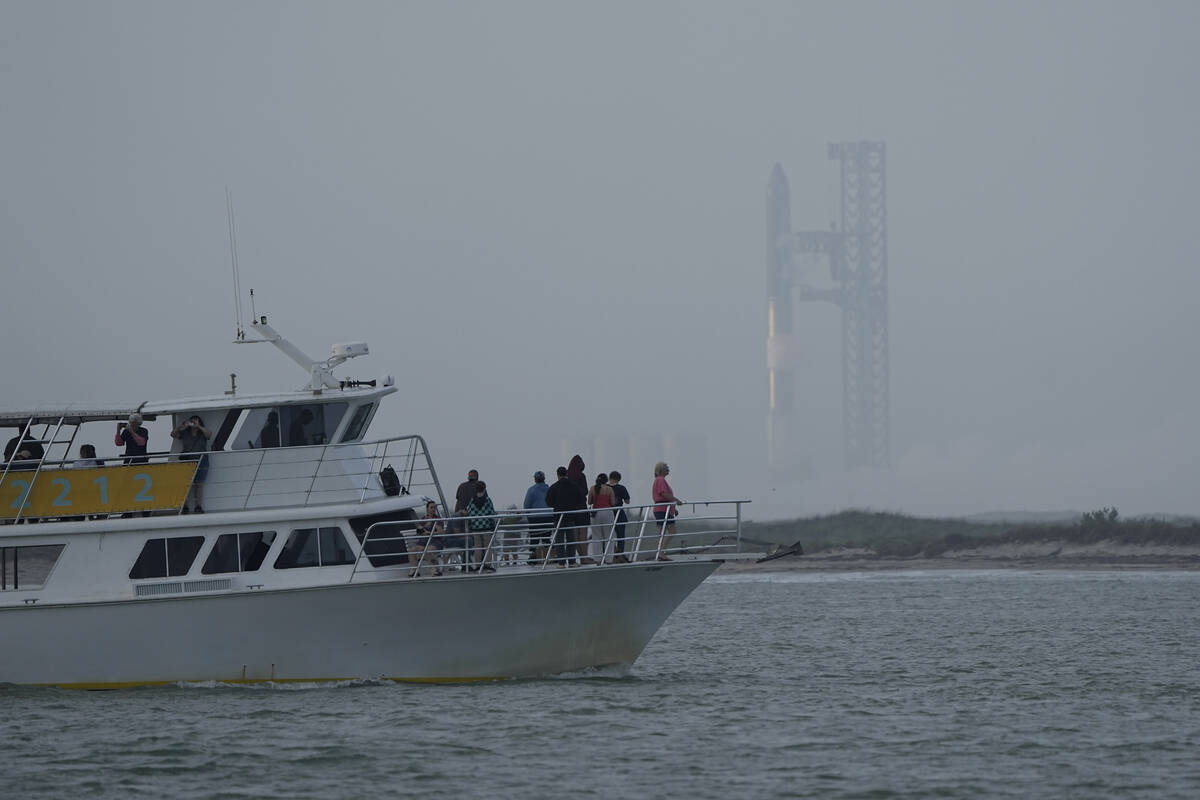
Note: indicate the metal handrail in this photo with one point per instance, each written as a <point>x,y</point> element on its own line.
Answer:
<point>8,463</point>
<point>417,560</point>
<point>553,538</point>
<point>491,541</point>
<point>40,462</point>
<point>413,458</point>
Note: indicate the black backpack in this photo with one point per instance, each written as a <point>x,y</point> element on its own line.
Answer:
<point>390,481</point>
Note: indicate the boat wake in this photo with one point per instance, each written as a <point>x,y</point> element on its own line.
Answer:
<point>610,672</point>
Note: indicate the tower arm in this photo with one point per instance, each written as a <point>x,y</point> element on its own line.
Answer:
<point>320,372</point>
<point>835,296</point>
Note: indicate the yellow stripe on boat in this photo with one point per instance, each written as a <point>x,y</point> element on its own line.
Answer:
<point>96,490</point>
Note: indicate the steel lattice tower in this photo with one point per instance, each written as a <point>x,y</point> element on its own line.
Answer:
<point>857,253</point>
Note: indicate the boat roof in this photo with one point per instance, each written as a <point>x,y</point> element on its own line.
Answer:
<point>75,414</point>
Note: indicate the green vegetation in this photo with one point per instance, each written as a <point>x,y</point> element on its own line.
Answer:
<point>900,536</point>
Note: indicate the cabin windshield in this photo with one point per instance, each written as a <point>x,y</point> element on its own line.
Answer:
<point>358,423</point>
<point>288,426</point>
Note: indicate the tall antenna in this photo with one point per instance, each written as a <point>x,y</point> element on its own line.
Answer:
<point>237,278</point>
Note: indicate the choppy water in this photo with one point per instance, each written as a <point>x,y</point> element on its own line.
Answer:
<point>944,684</point>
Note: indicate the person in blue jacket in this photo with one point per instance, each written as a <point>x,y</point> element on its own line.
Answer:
<point>540,524</point>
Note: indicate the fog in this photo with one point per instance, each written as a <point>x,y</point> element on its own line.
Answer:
<point>547,219</point>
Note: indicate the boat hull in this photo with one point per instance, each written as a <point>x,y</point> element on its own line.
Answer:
<point>452,628</point>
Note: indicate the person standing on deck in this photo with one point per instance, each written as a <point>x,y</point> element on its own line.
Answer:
<point>193,437</point>
<point>601,498</point>
<point>565,498</point>
<point>466,491</point>
<point>462,498</point>
<point>134,437</point>
<point>579,522</point>
<point>665,512</point>
<point>622,499</point>
<point>482,525</point>
<point>540,524</point>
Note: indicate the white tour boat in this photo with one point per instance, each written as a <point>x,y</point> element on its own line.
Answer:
<point>305,566</point>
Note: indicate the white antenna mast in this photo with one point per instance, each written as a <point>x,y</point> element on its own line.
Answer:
<point>320,373</point>
<point>237,278</point>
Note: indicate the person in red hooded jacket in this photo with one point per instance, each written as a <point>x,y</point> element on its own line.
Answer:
<point>581,521</point>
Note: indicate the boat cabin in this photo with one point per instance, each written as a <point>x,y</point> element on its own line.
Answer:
<point>273,450</point>
<point>282,420</point>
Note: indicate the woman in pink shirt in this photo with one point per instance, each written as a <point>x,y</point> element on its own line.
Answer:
<point>665,512</point>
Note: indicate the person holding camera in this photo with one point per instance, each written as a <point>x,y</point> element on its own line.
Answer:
<point>193,439</point>
<point>134,437</point>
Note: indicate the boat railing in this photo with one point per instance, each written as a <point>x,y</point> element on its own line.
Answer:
<point>242,479</point>
<point>516,539</point>
<point>333,473</point>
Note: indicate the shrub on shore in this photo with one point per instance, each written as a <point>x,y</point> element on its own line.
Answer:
<point>900,536</point>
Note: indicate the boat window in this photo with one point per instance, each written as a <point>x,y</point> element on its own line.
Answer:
<point>238,552</point>
<point>254,548</point>
<point>386,547</point>
<point>166,557</point>
<point>357,422</point>
<point>225,428</point>
<point>300,550</point>
<point>313,423</point>
<point>314,547</point>
<point>259,428</point>
<point>27,567</point>
<point>334,548</point>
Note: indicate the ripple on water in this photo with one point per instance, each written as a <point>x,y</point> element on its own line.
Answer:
<point>950,684</point>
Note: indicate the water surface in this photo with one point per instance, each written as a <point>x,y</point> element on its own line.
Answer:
<point>882,684</point>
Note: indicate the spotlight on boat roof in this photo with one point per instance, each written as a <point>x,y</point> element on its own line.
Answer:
<point>347,350</point>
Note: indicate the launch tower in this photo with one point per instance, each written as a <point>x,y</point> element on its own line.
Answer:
<point>857,253</point>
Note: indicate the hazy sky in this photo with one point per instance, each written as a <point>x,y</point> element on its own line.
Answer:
<point>548,221</point>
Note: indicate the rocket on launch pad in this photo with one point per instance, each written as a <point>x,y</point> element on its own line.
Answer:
<point>782,353</point>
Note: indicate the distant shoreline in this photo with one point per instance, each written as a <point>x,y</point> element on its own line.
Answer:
<point>802,564</point>
<point>864,540</point>
<point>1109,555</point>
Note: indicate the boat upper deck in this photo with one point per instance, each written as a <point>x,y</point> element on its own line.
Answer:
<point>276,450</point>
<point>238,479</point>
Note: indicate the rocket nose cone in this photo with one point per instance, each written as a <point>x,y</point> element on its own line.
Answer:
<point>777,184</point>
